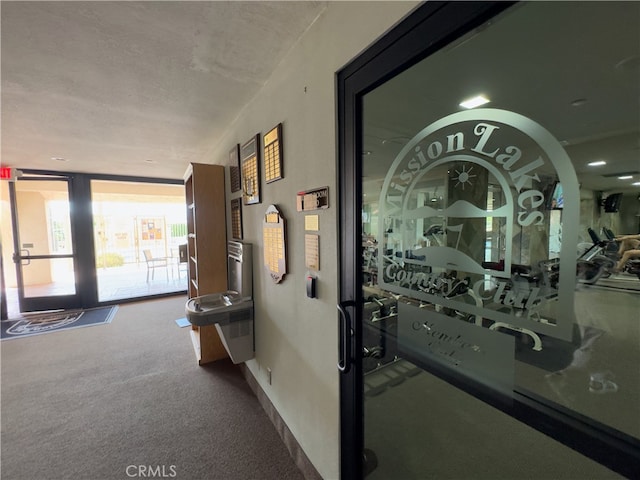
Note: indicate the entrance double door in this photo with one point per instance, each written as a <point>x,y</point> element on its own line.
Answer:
<point>80,240</point>
<point>472,344</point>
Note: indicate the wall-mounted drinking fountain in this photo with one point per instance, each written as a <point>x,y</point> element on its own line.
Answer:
<point>232,311</point>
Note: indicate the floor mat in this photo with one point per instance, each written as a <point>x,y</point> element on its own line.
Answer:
<point>39,323</point>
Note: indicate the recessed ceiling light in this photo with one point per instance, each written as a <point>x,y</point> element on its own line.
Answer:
<point>58,159</point>
<point>625,177</point>
<point>636,184</point>
<point>597,163</point>
<point>148,160</point>
<point>475,101</point>
<point>578,102</point>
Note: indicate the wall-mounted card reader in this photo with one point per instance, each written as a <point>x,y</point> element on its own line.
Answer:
<point>311,287</point>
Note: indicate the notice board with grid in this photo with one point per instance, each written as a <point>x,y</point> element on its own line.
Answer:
<point>274,241</point>
<point>234,168</point>
<point>273,154</point>
<point>236,219</point>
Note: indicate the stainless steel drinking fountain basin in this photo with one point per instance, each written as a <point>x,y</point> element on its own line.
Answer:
<point>230,312</point>
<point>216,308</point>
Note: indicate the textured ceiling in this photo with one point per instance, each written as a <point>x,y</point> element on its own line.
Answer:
<point>134,88</point>
<point>143,88</point>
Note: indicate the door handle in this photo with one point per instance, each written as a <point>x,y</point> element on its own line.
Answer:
<point>17,257</point>
<point>345,333</point>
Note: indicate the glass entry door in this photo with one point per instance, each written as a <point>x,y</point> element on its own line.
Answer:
<point>43,243</point>
<point>488,323</point>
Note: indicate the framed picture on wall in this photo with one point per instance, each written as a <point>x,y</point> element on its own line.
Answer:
<point>250,159</point>
<point>274,244</point>
<point>234,168</point>
<point>273,154</point>
<point>236,219</point>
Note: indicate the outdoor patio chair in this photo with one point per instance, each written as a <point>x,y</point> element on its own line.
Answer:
<point>155,262</point>
<point>183,259</point>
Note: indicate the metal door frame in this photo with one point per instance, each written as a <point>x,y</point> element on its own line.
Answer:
<point>49,302</point>
<point>430,27</point>
<point>86,295</point>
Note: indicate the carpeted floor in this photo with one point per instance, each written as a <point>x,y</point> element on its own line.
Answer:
<point>128,399</point>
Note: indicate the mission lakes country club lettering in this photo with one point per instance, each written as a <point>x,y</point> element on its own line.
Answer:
<point>525,298</point>
<point>529,199</point>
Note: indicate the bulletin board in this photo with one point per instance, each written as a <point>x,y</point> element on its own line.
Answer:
<point>250,158</point>
<point>151,228</point>
<point>274,244</point>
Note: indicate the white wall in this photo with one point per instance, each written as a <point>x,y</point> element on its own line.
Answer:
<point>296,337</point>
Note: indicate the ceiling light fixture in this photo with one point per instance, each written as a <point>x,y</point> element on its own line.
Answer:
<point>625,177</point>
<point>58,159</point>
<point>636,184</point>
<point>629,64</point>
<point>597,163</point>
<point>398,140</point>
<point>475,101</point>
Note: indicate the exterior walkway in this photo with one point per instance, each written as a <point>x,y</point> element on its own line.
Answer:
<point>116,283</point>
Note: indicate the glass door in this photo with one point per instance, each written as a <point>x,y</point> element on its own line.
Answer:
<point>69,226</point>
<point>138,230</point>
<point>43,243</point>
<point>489,324</point>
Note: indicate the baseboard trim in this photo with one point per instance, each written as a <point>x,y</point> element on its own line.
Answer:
<point>295,450</point>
